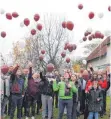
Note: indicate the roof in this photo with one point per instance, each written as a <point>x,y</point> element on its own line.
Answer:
<point>100,51</point>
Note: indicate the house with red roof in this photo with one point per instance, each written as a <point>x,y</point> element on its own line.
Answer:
<point>100,58</point>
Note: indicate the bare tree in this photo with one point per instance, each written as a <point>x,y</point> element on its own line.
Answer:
<point>90,47</point>
<point>51,39</point>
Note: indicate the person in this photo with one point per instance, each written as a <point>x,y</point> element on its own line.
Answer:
<point>102,79</point>
<point>25,77</point>
<point>57,77</point>
<point>32,92</point>
<point>65,89</point>
<point>94,100</point>
<point>82,79</point>
<point>17,91</point>
<point>46,89</point>
<point>6,92</point>
<point>75,96</point>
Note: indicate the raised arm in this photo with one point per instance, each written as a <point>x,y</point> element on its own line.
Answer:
<point>43,78</point>
<point>30,70</point>
<point>14,72</point>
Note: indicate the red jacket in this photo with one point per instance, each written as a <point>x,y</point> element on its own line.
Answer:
<point>102,84</point>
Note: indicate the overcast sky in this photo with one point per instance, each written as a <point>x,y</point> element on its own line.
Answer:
<point>68,8</point>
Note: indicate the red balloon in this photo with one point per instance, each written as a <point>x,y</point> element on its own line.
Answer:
<point>43,51</point>
<point>91,15</point>
<point>26,21</point>
<point>109,8</point>
<point>8,16</point>
<point>98,34</point>
<point>63,54</point>
<point>102,36</point>
<point>64,24</point>
<point>67,60</point>
<point>65,47</point>
<point>15,14</point>
<point>4,69</point>
<point>84,38</point>
<point>36,17</point>
<point>3,34</point>
<point>50,67</point>
<point>93,35</point>
<point>39,27</point>
<point>80,6</point>
<point>41,58</point>
<point>68,46</point>
<point>86,33</point>
<point>71,48</point>
<point>90,37</point>
<point>74,46</point>
<point>33,31</point>
<point>70,25</point>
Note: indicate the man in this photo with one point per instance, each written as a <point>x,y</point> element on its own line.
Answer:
<point>6,92</point>
<point>25,77</point>
<point>17,92</point>
<point>57,77</point>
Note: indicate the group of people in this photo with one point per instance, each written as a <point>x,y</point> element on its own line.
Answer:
<point>73,94</point>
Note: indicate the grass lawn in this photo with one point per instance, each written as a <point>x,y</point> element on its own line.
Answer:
<point>56,112</point>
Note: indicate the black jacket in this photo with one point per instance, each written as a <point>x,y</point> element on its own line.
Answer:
<point>93,104</point>
<point>45,86</point>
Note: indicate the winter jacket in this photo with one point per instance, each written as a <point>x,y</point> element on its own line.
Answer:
<point>45,86</point>
<point>17,83</point>
<point>76,94</point>
<point>33,86</point>
<point>60,87</point>
<point>93,104</point>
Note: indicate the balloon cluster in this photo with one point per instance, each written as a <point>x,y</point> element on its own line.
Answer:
<point>89,35</point>
<point>69,25</point>
<point>41,57</point>
<point>70,48</point>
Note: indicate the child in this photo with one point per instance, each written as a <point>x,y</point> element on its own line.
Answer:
<point>94,101</point>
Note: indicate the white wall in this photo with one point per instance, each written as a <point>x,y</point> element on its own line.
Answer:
<point>103,60</point>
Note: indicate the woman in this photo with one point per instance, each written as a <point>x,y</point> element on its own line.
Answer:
<point>94,101</point>
<point>32,92</point>
<point>65,89</point>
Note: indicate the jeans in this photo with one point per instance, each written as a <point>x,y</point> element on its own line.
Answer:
<point>47,101</point>
<point>31,102</point>
<point>74,111</point>
<point>3,105</point>
<point>56,99</point>
<point>82,102</point>
<point>9,105</point>
<point>16,101</point>
<point>39,103</point>
<point>65,103</point>
<point>24,106</point>
<point>91,114</point>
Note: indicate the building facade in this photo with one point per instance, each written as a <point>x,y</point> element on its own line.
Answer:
<point>100,58</point>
